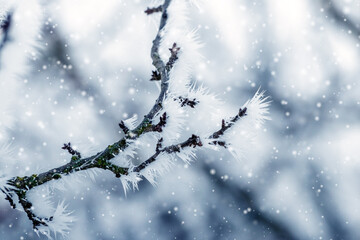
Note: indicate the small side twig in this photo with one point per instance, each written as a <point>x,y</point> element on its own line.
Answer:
<point>27,206</point>
<point>193,141</point>
<point>123,127</point>
<point>149,11</point>
<point>67,146</point>
<point>9,197</point>
<point>174,50</point>
<point>159,145</point>
<point>155,76</point>
<point>225,126</point>
<point>158,127</point>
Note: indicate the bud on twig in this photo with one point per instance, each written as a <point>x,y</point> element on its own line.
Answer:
<point>155,76</point>
<point>71,150</point>
<point>158,127</point>
<point>149,11</point>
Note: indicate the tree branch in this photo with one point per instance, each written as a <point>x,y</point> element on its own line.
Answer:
<point>20,186</point>
<point>101,159</point>
<point>159,64</point>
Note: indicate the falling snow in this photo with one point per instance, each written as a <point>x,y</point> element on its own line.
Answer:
<point>70,71</point>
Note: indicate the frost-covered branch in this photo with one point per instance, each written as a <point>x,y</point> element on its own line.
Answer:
<point>20,185</point>
<point>193,141</point>
<point>225,126</point>
<point>179,103</point>
<point>163,157</point>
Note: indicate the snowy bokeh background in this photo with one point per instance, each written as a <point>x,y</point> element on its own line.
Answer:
<point>88,67</point>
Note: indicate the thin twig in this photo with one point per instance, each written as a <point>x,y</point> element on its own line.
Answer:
<point>67,146</point>
<point>225,126</point>
<point>194,141</point>
<point>149,11</point>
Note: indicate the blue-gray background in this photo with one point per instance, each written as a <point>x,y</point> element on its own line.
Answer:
<point>301,180</point>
